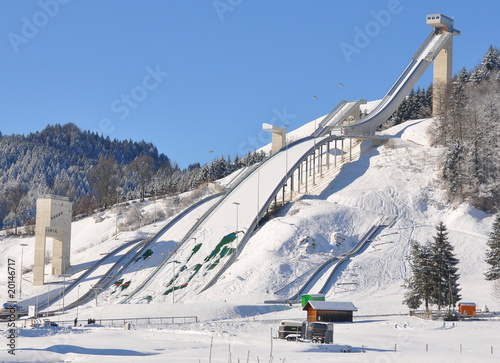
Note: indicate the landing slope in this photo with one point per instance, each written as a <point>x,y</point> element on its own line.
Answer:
<point>398,178</point>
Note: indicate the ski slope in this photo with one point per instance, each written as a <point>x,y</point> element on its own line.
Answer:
<point>233,217</point>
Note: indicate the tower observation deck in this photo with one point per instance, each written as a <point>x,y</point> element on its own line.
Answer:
<point>440,21</point>
<point>443,64</point>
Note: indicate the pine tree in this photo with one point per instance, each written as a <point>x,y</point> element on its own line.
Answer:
<point>488,67</point>
<point>452,169</point>
<point>456,106</point>
<point>419,285</point>
<point>445,290</point>
<point>471,119</point>
<point>491,61</point>
<point>493,252</point>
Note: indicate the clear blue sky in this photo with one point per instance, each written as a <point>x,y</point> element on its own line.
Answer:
<point>194,76</point>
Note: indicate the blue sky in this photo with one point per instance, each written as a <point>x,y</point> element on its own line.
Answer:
<point>195,76</point>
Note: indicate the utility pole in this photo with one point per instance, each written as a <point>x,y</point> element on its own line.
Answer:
<point>236,249</point>
<point>21,282</point>
<point>314,151</point>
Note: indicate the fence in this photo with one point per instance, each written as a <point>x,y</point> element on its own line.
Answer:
<point>138,322</point>
<point>444,314</point>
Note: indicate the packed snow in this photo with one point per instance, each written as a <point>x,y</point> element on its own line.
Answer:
<point>399,178</point>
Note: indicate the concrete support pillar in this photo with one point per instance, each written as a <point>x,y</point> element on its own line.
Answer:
<point>278,139</point>
<point>342,151</point>
<point>321,161</point>
<point>443,62</point>
<point>313,166</point>
<point>299,174</point>
<point>443,73</point>
<point>306,176</point>
<point>350,149</point>
<point>328,156</point>
<point>53,219</point>
<point>335,155</point>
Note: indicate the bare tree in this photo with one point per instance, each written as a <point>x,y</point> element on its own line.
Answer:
<point>15,200</point>
<point>104,178</point>
<point>142,168</point>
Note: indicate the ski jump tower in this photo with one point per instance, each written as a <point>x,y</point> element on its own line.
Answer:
<point>444,60</point>
<point>53,219</point>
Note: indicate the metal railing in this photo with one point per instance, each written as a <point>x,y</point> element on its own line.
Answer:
<point>120,322</point>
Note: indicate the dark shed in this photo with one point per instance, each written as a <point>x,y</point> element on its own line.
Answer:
<point>329,311</point>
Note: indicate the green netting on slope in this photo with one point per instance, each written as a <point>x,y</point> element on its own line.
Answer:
<point>118,282</point>
<point>196,268</point>
<point>195,249</point>
<point>220,251</point>
<point>174,288</point>
<point>225,251</point>
<point>125,285</point>
<point>145,255</point>
<point>225,240</point>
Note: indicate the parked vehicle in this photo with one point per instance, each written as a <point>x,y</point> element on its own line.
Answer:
<point>289,330</point>
<point>316,332</point>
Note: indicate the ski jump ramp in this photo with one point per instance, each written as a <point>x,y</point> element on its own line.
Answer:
<point>404,84</point>
<point>214,244</point>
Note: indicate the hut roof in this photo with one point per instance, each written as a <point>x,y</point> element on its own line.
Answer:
<point>467,304</point>
<point>330,305</point>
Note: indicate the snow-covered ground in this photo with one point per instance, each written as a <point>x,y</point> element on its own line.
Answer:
<point>398,178</point>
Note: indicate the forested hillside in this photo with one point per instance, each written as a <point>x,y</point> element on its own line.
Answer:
<point>92,170</point>
<point>469,127</point>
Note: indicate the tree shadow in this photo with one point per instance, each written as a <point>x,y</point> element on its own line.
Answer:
<point>64,349</point>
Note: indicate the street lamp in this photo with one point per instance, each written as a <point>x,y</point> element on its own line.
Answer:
<point>315,104</point>
<point>286,162</point>
<point>341,108</point>
<point>314,150</point>
<point>286,150</point>
<point>154,200</point>
<point>21,282</point>
<point>64,289</point>
<point>236,250</point>
<point>64,283</point>
<point>209,162</point>
<point>258,190</point>
<point>36,306</point>
<point>96,291</point>
<point>173,262</point>
<point>77,298</point>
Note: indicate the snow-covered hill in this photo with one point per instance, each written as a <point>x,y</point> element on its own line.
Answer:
<point>398,178</point>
